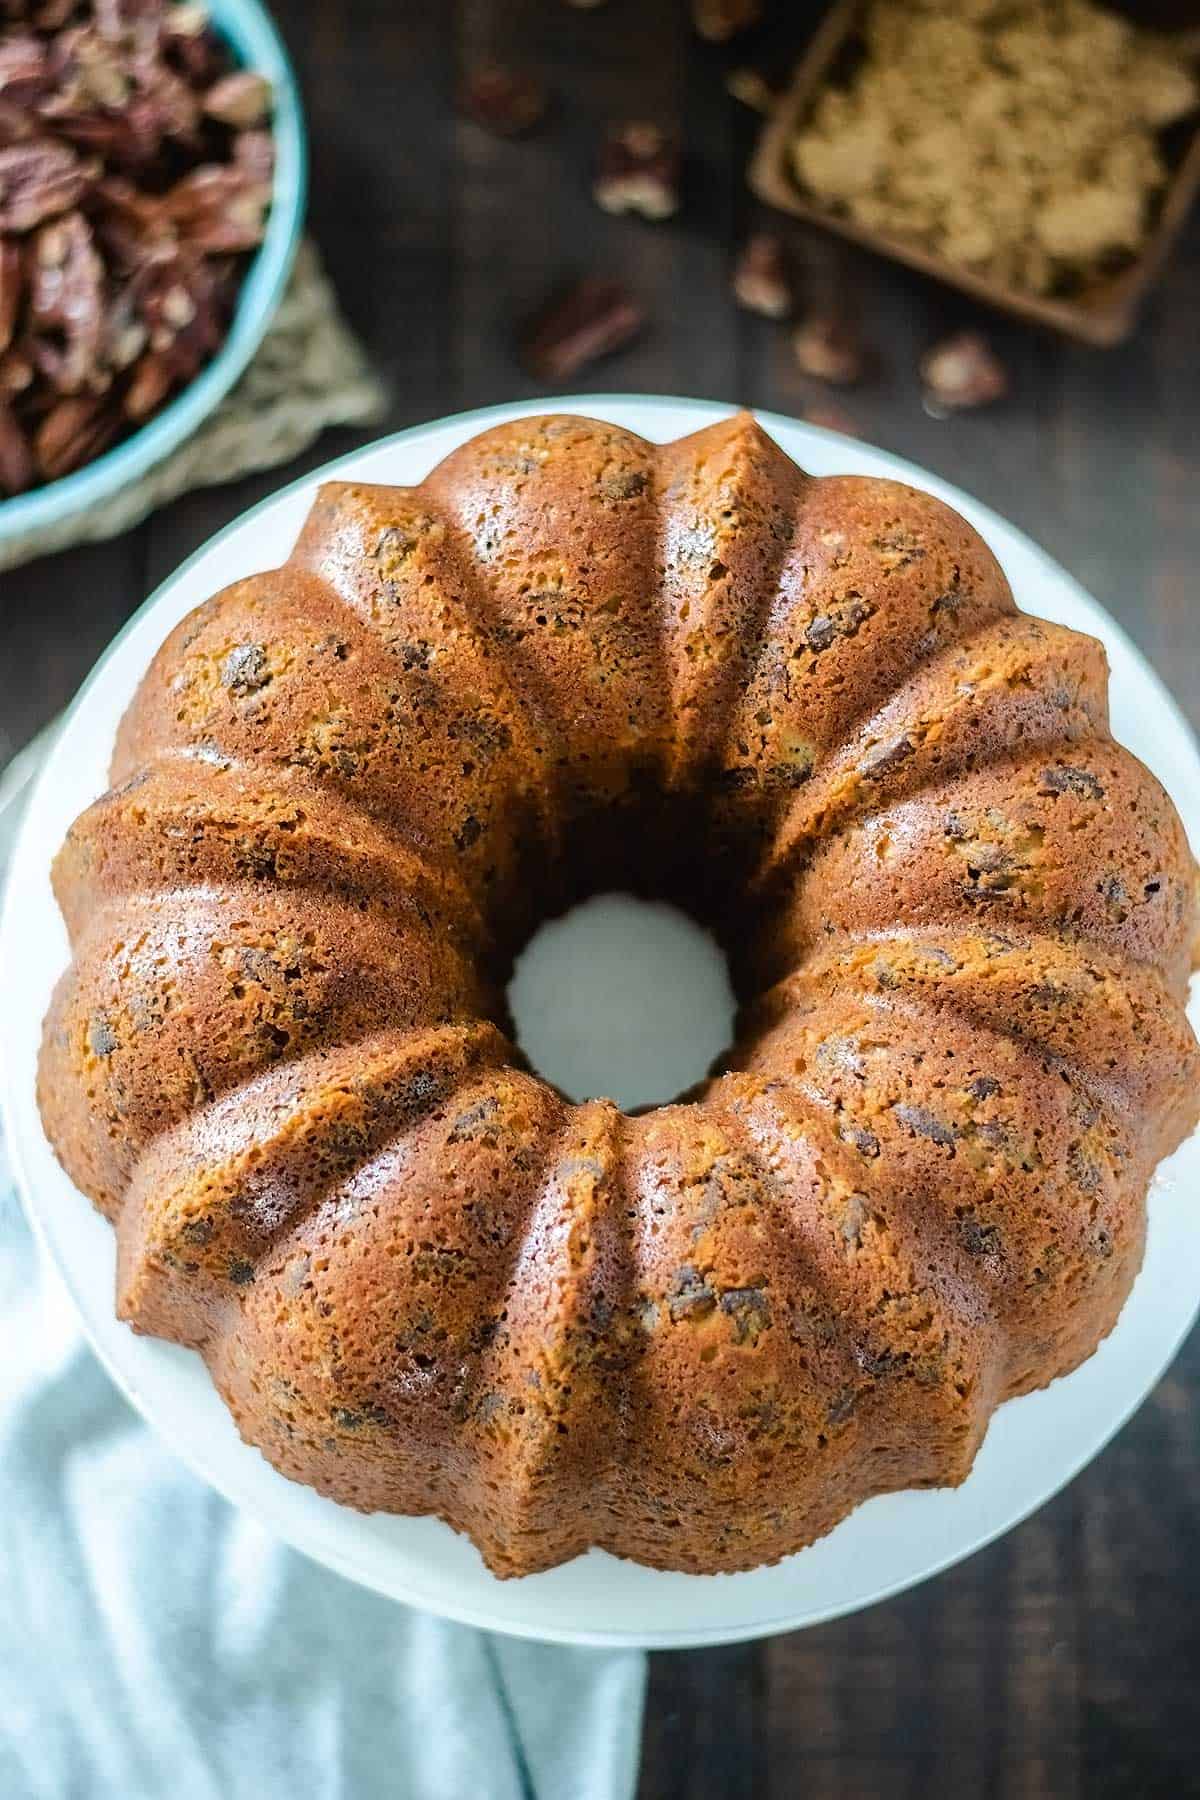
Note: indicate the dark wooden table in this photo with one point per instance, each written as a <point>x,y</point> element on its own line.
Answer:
<point>1064,1661</point>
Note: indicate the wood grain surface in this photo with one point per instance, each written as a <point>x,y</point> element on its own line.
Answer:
<point>1064,1661</point>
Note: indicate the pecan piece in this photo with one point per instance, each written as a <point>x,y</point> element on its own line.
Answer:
<point>639,170</point>
<point>149,385</point>
<point>98,64</point>
<point>760,280</point>
<point>16,371</point>
<point>24,71</point>
<point>132,227</point>
<point>254,154</point>
<point>50,15</point>
<point>169,107</point>
<point>240,99</point>
<point>218,208</point>
<point>189,44</point>
<point>962,371</point>
<point>828,346</point>
<point>507,102</point>
<point>66,298</point>
<point>751,88</point>
<point>16,123</point>
<point>125,336</point>
<point>38,179</point>
<point>11,287</point>
<point>178,302</point>
<point>588,321</point>
<point>16,460</point>
<point>78,428</point>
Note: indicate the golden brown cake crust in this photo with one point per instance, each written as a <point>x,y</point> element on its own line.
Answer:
<point>959,916</point>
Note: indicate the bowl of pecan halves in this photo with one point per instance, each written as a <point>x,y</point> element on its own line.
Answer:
<point>152,175</point>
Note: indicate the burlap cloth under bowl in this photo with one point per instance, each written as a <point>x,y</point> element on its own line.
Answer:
<point>308,373</point>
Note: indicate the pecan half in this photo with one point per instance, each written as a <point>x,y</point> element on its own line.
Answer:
<point>588,321</point>
<point>189,45</point>
<point>639,170</point>
<point>16,372</point>
<point>66,299</point>
<point>151,382</point>
<point>961,372</point>
<point>254,152</point>
<point>828,346</point>
<point>78,428</point>
<point>16,123</point>
<point>16,458</point>
<point>48,15</point>
<point>11,287</point>
<point>132,227</point>
<point>241,99</point>
<point>24,70</point>
<point>218,208</point>
<point>760,279</point>
<point>38,179</point>
<point>507,102</point>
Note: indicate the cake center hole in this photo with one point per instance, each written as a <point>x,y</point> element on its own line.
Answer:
<point>622,998</point>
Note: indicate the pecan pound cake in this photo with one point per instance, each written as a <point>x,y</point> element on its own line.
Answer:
<point>958,916</point>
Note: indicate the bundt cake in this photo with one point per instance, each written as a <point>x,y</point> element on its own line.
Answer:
<point>959,919</point>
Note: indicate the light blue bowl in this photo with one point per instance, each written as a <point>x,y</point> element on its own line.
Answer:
<point>250,32</point>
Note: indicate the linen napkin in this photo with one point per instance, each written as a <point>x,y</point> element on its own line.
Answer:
<point>155,1642</point>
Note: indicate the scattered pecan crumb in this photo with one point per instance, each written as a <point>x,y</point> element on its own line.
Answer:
<point>507,102</point>
<point>752,89</point>
<point>960,372</point>
<point>720,20</point>
<point>828,346</point>
<point>639,170</point>
<point>588,321</point>
<point>760,279</point>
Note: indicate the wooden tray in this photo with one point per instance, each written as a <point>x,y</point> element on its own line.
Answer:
<point>1104,313</point>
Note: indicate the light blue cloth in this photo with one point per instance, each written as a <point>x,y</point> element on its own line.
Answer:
<point>156,1644</point>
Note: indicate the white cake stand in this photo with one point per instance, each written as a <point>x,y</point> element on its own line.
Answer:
<point>1035,1444</point>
